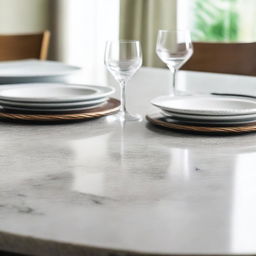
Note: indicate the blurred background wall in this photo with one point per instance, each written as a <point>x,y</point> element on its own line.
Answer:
<point>24,16</point>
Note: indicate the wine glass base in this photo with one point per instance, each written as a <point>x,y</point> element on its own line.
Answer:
<point>179,93</point>
<point>127,117</point>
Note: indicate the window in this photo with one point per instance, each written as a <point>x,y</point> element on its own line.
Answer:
<point>219,20</point>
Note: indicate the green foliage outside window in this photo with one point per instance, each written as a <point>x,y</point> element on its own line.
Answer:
<point>215,20</point>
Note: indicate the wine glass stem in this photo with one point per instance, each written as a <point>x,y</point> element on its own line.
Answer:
<point>173,85</point>
<point>123,97</point>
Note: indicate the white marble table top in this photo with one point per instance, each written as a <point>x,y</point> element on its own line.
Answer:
<point>97,188</point>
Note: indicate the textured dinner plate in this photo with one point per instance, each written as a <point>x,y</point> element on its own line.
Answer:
<point>235,118</point>
<point>38,105</point>
<point>34,68</point>
<point>220,121</point>
<point>52,93</point>
<point>206,105</point>
<point>53,110</point>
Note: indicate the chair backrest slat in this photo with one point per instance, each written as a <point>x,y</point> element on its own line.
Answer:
<point>27,46</point>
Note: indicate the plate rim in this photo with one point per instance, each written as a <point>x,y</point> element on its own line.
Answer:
<point>53,110</point>
<point>212,122</point>
<point>71,68</point>
<point>225,112</point>
<point>101,91</point>
<point>210,118</point>
<point>52,105</point>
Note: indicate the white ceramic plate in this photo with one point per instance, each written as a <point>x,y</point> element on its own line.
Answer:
<point>52,93</point>
<point>209,118</point>
<point>34,68</point>
<point>51,110</point>
<point>206,105</point>
<point>210,122</point>
<point>52,105</point>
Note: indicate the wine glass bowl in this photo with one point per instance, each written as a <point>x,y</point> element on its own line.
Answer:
<point>174,48</point>
<point>122,59</point>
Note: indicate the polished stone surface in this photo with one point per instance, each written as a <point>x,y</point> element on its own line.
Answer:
<point>100,187</point>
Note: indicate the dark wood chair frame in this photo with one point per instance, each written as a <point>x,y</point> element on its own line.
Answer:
<point>229,58</point>
<point>24,46</point>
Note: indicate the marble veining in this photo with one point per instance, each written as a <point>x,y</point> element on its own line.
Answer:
<point>104,188</point>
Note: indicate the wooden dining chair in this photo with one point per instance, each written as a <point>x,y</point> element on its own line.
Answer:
<point>230,58</point>
<point>27,46</point>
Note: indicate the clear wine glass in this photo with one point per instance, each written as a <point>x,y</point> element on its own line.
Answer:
<point>174,48</point>
<point>123,58</point>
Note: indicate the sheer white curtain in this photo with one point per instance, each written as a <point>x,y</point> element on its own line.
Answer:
<point>81,28</point>
<point>141,20</point>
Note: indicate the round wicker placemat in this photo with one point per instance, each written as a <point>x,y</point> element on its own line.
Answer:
<point>160,120</point>
<point>110,107</point>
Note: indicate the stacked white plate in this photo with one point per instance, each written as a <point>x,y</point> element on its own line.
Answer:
<point>208,109</point>
<point>47,97</point>
<point>27,71</point>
